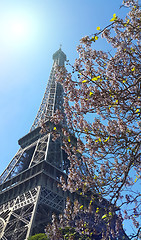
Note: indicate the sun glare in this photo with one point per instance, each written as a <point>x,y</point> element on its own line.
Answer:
<point>17,29</point>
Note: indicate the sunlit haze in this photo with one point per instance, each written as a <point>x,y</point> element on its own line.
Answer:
<point>18,28</point>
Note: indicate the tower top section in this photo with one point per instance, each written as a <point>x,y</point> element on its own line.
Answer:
<point>53,97</point>
<point>59,57</point>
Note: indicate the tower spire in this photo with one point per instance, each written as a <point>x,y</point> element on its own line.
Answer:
<point>60,46</point>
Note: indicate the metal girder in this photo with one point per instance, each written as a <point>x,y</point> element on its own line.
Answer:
<point>52,199</point>
<point>40,150</point>
<point>11,166</point>
<point>17,218</point>
<point>24,215</point>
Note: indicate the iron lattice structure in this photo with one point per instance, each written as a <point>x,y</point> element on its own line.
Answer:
<point>29,192</point>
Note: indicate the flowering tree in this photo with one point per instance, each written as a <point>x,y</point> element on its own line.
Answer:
<point>102,107</point>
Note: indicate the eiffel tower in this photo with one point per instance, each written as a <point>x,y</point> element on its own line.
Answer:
<point>29,192</point>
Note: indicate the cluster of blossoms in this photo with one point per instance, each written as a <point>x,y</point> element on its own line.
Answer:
<point>103,109</point>
<point>94,222</point>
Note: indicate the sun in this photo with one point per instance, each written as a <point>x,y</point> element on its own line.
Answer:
<point>18,29</point>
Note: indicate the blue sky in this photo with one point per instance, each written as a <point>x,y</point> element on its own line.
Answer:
<point>26,56</point>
